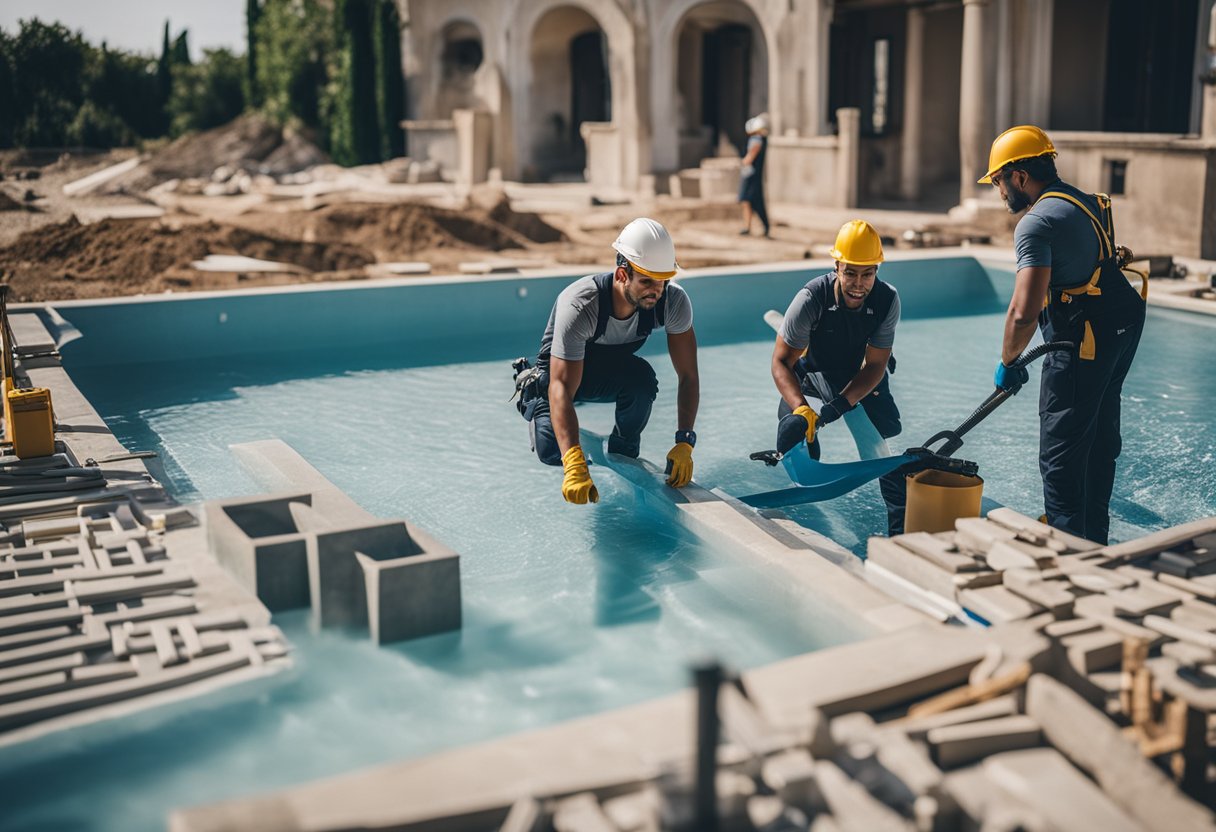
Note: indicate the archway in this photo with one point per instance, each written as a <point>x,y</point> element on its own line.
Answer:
<point>570,85</point>
<point>461,55</point>
<point>722,77</point>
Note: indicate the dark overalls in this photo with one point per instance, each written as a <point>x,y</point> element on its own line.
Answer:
<point>751,185</point>
<point>611,373</point>
<point>837,349</point>
<point>1079,437</point>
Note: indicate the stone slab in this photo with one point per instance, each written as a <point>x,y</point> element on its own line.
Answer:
<point>956,745</point>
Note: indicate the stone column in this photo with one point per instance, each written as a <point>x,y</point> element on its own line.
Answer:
<point>973,127</point>
<point>848,154</point>
<point>914,66</point>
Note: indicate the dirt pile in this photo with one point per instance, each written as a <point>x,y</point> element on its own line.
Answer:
<point>249,143</point>
<point>116,257</point>
<point>10,203</point>
<point>404,230</point>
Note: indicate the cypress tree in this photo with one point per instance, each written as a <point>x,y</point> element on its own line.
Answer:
<point>390,84</point>
<point>164,78</point>
<point>365,127</point>
<point>181,50</point>
<point>253,95</point>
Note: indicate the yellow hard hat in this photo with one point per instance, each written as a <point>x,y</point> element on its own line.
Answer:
<point>1022,142</point>
<point>858,243</point>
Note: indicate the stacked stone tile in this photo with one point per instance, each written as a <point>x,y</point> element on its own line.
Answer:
<point>1100,666</point>
<point>94,613</point>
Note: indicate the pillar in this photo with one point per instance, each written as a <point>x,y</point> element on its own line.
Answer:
<point>848,154</point>
<point>914,87</point>
<point>974,138</point>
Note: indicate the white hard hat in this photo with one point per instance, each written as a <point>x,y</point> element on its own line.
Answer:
<point>647,246</point>
<point>756,123</point>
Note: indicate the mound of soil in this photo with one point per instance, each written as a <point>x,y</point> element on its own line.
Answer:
<point>7,203</point>
<point>249,143</point>
<point>402,230</point>
<point>117,257</point>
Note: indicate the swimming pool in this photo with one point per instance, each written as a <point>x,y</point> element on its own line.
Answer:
<point>568,610</point>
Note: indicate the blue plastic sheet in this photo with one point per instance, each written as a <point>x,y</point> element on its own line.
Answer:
<point>817,481</point>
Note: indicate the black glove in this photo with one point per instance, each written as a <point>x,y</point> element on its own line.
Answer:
<point>795,427</point>
<point>834,409</point>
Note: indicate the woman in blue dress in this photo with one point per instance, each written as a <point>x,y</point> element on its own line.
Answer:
<point>751,183</point>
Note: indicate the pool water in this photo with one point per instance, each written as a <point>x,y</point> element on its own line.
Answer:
<point>568,610</point>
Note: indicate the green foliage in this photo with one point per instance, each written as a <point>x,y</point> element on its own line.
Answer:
<point>48,62</point>
<point>253,11</point>
<point>390,83</point>
<point>365,121</point>
<point>293,40</point>
<point>97,126</point>
<point>207,94</point>
<point>8,100</point>
<point>181,50</point>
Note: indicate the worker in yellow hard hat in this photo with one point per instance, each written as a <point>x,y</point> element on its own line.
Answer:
<point>833,351</point>
<point>587,354</point>
<point>1066,253</point>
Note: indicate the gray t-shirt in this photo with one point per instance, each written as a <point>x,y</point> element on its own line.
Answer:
<point>577,310</point>
<point>802,318</point>
<point>1056,234</point>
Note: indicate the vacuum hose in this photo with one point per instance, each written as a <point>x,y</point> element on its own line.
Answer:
<point>954,437</point>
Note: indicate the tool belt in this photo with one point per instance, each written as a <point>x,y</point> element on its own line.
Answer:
<point>530,384</point>
<point>1112,262</point>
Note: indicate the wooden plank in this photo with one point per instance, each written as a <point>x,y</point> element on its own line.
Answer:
<point>58,647</point>
<point>33,637</point>
<point>1011,519</point>
<point>22,671</point>
<point>166,650</point>
<point>31,603</point>
<point>997,604</point>
<point>37,620</point>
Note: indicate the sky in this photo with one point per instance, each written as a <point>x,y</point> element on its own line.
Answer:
<point>138,25</point>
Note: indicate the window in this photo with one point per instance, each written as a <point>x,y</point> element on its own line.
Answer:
<point>1116,176</point>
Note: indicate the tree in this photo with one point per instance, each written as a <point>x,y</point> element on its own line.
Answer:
<point>47,62</point>
<point>253,11</point>
<point>8,101</point>
<point>207,94</point>
<point>181,50</point>
<point>294,40</point>
<point>390,82</point>
<point>365,121</point>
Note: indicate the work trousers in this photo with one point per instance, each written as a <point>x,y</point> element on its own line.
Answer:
<point>1079,405</point>
<point>625,379</point>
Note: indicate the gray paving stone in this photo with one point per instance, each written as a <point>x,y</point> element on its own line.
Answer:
<point>1098,650</point>
<point>1060,793</point>
<point>956,745</point>
<point>1095,743</point>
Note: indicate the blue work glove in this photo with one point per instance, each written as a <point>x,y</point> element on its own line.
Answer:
<point>794,427</point>
<point>1010,378</point>
<point>834,409</point>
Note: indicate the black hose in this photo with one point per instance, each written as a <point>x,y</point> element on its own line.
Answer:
<point>954,439</point>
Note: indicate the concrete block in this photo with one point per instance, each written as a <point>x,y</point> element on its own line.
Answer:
<point>1160,541</point>
<point>637,811</point>
<point>413,596</point>
<point>581,813</point>
<point>1093,742</point>
<point>1060,793</point>
<point>1071,627</point>
<point>337,586</point>
<point>257,540</point>
<point>852,807</point>
<point>1099,650</point>
<point>957,745</point>
<point>937,551</point>
<point>890,555</point>
<point>1017,554</point>
<point>1051,595</point>
<point>1140,601</point>
<point>917,728</point>
<point>997,604</point>
<point>978,534</point>
<point>791,776</point>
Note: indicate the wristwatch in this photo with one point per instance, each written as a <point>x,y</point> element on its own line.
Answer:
<point>689,436</point>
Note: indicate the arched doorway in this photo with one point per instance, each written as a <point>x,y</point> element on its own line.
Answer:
<point>570,86</point>
<point>721,77</point>
<point>461,56</point>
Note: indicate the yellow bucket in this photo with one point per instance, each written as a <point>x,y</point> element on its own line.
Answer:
<point>937,498</point>
<point>31,427</point>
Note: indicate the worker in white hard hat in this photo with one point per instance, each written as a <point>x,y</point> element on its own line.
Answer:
<point>588,354</point>
<point>751,178</point>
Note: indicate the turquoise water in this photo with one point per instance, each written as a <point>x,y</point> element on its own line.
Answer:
<point>568,610</point>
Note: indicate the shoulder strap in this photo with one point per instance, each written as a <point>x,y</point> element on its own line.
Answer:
<point>603,285</point>
<point>1105,240</point>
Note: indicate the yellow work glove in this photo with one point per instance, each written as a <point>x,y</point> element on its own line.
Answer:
<point>679,465</point>
<point>577,486</point>
<point>812,420</point>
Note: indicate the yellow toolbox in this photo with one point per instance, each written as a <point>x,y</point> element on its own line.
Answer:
<point>29,425</point>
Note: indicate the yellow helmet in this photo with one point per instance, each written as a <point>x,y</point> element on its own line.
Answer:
<point>1022,142</point>
<point>858,243</point>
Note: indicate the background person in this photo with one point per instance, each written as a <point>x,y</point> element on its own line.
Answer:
<point>751,182</point>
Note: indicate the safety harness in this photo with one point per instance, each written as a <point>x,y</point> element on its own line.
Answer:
<point>1108,254</point>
